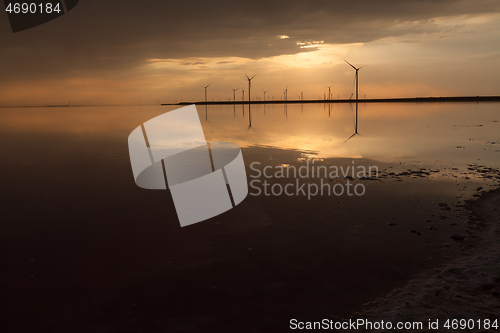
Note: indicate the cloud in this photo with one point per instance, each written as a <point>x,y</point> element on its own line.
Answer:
<point>113,35</point>
<point>114,40</point>
<point>193,63</point>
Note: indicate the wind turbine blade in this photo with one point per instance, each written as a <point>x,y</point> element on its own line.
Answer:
<point>350,64</point>
<point>253,76</point>
<point>349,138</point>
<point>247,76</point>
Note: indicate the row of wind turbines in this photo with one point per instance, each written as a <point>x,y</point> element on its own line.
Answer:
<point>285,91</point>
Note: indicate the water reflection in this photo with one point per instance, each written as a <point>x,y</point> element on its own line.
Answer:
<point>416,133</point>
<point>89,224</point>
<point>441,134</point>
<point>249,116</point>
<point>355,124</point>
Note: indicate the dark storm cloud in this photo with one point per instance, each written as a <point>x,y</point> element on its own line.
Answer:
<point>108,36</point>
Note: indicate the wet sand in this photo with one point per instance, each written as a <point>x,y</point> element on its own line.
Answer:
<point>466,288</point>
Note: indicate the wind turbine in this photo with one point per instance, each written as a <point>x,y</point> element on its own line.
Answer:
<point>234,94</point>
<point>264,94</point>
<point>357,84</point>
<point>249,85</point>
<point>329,93</point>
<point>286,93</point>
<point>242,94</point>
<point>356,77</point>
<point>206,91</point>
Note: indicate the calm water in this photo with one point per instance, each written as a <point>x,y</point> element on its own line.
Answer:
<point>86,250</point>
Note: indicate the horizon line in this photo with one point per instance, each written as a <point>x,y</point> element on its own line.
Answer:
<point>361,100</point>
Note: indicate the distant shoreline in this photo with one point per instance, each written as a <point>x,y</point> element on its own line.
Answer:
<point>367,100</point>
<point>476,99</point>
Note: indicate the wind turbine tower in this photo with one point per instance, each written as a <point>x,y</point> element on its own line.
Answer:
<point>234,94</point>
<point>249,86</point>
<point>206,91</point>
<point>356,77</point>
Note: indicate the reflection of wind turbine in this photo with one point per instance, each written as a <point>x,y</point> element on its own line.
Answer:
<point>264,94</point>
<point>356,77</point>
<point>355,125</point>
<point>206,91</point>
<point>250,117</point>
<point>249,85</point>
<point>234,94</point>
<point>357,85</point>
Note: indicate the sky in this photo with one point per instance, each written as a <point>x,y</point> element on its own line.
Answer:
<point>131,52</point>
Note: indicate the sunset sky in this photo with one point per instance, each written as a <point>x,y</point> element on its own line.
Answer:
<point>120,52</point>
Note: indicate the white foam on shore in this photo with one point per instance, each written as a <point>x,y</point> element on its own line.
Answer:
<point>467,288</point>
